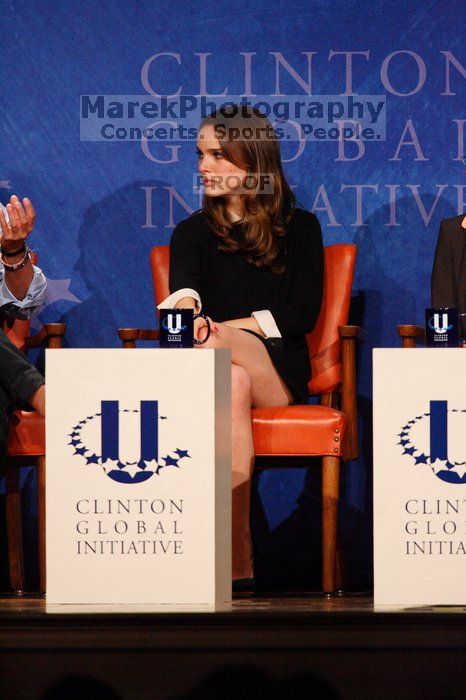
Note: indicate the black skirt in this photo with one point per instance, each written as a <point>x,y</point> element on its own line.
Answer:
<point>292,366</point>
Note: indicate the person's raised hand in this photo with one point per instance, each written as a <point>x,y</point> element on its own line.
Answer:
<point>22,217</point>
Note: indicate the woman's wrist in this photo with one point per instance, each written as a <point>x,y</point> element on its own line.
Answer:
<point>186,303</point>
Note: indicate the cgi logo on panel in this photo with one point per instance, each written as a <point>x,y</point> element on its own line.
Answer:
<point>173,324</point>
<point>438,439</point>
<point>124,442</point>
<point>439,327</point>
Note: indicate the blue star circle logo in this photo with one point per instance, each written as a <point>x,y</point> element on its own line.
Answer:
<point>414,436</point>
<point>85,441</point>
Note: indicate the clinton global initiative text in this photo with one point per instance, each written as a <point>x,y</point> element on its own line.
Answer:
<point>121,506</point>
<point>119,547</point>
<point>429,547</point>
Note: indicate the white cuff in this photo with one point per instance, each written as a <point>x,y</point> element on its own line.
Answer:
<point>267,323</point>
<point>35,296</point>
<point>171,300</point>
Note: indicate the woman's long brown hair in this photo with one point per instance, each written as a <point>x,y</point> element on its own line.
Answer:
<point>265,213</point>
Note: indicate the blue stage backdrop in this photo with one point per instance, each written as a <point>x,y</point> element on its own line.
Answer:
<point>101,205</point>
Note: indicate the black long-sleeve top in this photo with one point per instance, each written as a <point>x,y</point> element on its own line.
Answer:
<point>231,288</point>
<point>449,269</point>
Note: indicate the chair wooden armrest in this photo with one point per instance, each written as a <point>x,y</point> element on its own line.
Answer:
<point>352,332</point>
<point>129,336</point>
<point>410,335</point>
<point>348,336</point>
<point>50,335</point>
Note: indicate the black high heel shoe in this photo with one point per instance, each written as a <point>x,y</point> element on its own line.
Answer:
<point>244,585</point>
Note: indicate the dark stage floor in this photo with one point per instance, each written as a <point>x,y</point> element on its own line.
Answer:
<point>287,646</point>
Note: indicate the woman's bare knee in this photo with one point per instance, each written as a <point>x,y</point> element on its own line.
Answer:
<point>241,386</point>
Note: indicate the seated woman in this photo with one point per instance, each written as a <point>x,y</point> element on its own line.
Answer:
<point>449,270</point>
<point>254,263</point>
<point>22,290</point>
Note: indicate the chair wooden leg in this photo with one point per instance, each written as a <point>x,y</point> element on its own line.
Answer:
<point>330,400</point>
<point>14,528</point>
<point>340,570</point>
<point>41,519</point>
<point>330,493</point>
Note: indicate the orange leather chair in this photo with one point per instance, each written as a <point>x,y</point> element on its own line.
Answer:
<point>25,446</point>
<point>306,430</point>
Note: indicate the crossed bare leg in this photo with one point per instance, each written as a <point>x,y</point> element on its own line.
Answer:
<point>254,383</point>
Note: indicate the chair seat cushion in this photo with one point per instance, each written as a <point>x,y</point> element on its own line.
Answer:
<point>26,434</point>
<point>298,430</point>
<point>287,430</point>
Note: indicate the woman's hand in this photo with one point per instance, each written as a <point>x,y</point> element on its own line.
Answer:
<point>186,303</point>
<point>201,330</point>
<point>22,217</point>
<point>200,325</point>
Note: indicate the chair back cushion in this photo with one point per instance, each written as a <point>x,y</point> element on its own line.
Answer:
<point>17,329</point>
<point>324,341</point>
<point>160,265</point>
<point>26,434</point>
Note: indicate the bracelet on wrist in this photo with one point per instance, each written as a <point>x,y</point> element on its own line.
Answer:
<point>16,266</point>
<point>12,253</point>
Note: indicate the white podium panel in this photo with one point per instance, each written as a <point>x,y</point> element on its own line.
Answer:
<point>420,476</point>
<point>138,480</point>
